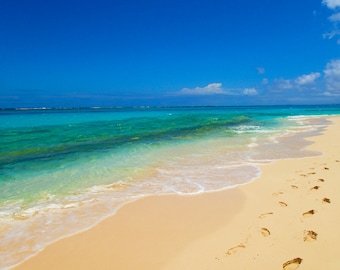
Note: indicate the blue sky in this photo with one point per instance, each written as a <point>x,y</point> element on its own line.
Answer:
<point>169,52</point>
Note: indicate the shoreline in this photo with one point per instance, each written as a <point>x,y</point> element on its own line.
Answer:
<point>224,228</point>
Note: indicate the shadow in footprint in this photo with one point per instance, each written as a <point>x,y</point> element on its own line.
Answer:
<point>315,188</point>
<point>277,193</point>
<point>326,200</point>
<point>321,180</point>
<point>266,214</point>
<point>235,249</point>
<point>309,213</point>
<point>292,264</point>
<point>310,236</point>
<point>265,232</point>
<point>294,187</point>
<point>283,204</point>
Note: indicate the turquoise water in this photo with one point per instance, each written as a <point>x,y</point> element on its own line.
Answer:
<point>62,171</point>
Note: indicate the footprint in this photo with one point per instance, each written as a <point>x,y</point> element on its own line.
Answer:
<point>292,264</point>
<point>321,180</point>
<point>277,193</point>
<point>326,168</point>
<point>266,214</point>
<point>309,213</point>
<point>294,187</point>
<point>311,173</point>
<point>265,232</point>
<point>235,249</point>
<point>315,188</point>
<point>326,200</point>
<point>310,236</point>
<point>283,204</point>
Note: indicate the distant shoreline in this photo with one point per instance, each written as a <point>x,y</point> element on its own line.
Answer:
<point>160,107</point>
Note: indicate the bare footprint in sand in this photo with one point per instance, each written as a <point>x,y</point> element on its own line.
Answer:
<point>266,214</point>
<point>277,193</point>
<point>292,264</point>
<point>265,232</point>
<point>294,187</point>
<point>326,200</point>
<point>326,168</point>
<point>235,249</point>
<point>315,188</point>
<point>310,236</point>
<point>309,213</point>
<point>283,204</point>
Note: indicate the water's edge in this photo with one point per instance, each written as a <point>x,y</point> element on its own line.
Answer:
<point>99,205</point>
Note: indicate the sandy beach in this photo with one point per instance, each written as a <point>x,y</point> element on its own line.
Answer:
<point>286,219</point>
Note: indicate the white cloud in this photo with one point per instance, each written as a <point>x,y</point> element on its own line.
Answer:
<point>332,75</point>
<point>335,17</point>
<point>265,81</point>
<point>329,94</point>
<point>332,4</point>
<point>303,82</point>
<point>307,79</point>
<point>250,92</point>
<point>214,89</point>
<point>282,84</point>
<point>332,34</point>
<point>210,89</point>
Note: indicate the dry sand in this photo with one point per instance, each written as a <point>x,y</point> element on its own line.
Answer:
<point>286,219</point>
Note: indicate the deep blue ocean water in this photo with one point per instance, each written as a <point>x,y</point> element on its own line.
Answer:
<point>63,170</point>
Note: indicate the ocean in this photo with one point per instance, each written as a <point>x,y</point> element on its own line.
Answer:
<point>64,170</point>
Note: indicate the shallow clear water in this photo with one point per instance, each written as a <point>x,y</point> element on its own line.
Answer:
<point>62,171</point>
